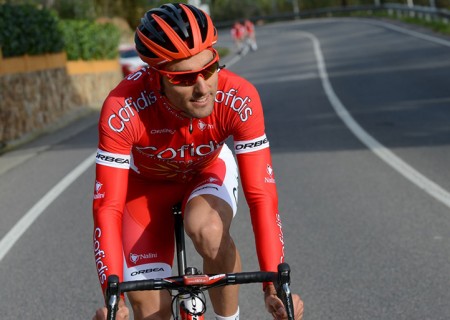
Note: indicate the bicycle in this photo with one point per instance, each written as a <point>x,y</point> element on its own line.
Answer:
<point>190,302</point>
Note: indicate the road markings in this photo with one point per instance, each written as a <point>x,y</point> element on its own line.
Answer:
<point>286,78</point>
<point>408,32</point>
<point>27,220</point>
<point>376,147</point>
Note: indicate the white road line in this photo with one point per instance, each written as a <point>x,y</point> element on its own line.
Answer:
<point>383,24</point>
<point>381,151</point>
<point>27,220</point>
<point>286,78</point>
<point>235,59</point>
<point>408,32</point>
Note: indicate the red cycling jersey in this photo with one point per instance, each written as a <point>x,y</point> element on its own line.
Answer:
<point>141,131</point>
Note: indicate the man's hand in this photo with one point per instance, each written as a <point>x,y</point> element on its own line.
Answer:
<point>275,306</point>
<point>122,313</point>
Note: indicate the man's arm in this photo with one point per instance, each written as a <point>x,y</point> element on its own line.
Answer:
<point>258,181</point>
<point>109,200</point>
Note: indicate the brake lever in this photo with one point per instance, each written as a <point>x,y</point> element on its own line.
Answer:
<point>112,296</point>
<point>283,288</point>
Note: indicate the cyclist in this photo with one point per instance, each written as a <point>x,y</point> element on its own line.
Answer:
<point>238,33</point>
<point>251,36</point>
<point>162,135</point>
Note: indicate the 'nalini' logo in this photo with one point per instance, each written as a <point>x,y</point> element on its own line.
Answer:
<point>202,126</point>
<point>134,257</point>
<point>269,171</point>
<point>97,194</point>
<point>98,186</point>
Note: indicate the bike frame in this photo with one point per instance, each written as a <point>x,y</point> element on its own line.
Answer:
<point>190,283</point>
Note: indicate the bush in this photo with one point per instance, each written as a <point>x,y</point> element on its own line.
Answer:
<point>86,40</point>
<point>24,29</point>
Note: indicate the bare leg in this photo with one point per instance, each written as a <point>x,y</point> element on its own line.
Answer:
<point>150,305</point>
<point>207,223</point>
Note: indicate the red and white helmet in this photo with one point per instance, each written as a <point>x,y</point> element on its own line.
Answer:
<point>172,32</point>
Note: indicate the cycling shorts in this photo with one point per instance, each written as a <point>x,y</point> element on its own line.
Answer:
<point>147,223</point>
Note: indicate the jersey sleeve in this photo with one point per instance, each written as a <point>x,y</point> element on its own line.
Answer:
<point>259,187</point>
<point>109,200</point>
<point>251,146</point>
<point>116,135</point>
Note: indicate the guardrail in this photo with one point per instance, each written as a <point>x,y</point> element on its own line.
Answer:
<point>420,11</point>
<point>428,13</point>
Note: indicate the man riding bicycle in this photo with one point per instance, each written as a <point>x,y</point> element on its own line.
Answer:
<point>162,135</point>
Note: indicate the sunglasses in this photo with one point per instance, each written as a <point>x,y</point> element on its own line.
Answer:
<point>189,78</point>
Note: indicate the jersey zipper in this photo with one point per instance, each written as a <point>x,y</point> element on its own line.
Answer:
<point>191,127</point>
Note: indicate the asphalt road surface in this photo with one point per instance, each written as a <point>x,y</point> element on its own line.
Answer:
<point>357,113</point>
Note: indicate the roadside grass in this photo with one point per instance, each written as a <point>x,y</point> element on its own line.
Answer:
<point>437,26</point>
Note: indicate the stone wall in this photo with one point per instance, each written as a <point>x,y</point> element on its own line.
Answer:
<point>33,102</point>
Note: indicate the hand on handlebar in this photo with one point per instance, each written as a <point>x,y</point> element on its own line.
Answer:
<point>276,308</point>
<point>122,313</point>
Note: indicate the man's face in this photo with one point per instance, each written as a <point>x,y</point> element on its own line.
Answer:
<point>197,100</point>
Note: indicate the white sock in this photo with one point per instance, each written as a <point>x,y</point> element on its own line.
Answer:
<point>233,317</point>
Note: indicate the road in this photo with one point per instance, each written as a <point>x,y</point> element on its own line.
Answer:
<point>358,120</point>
